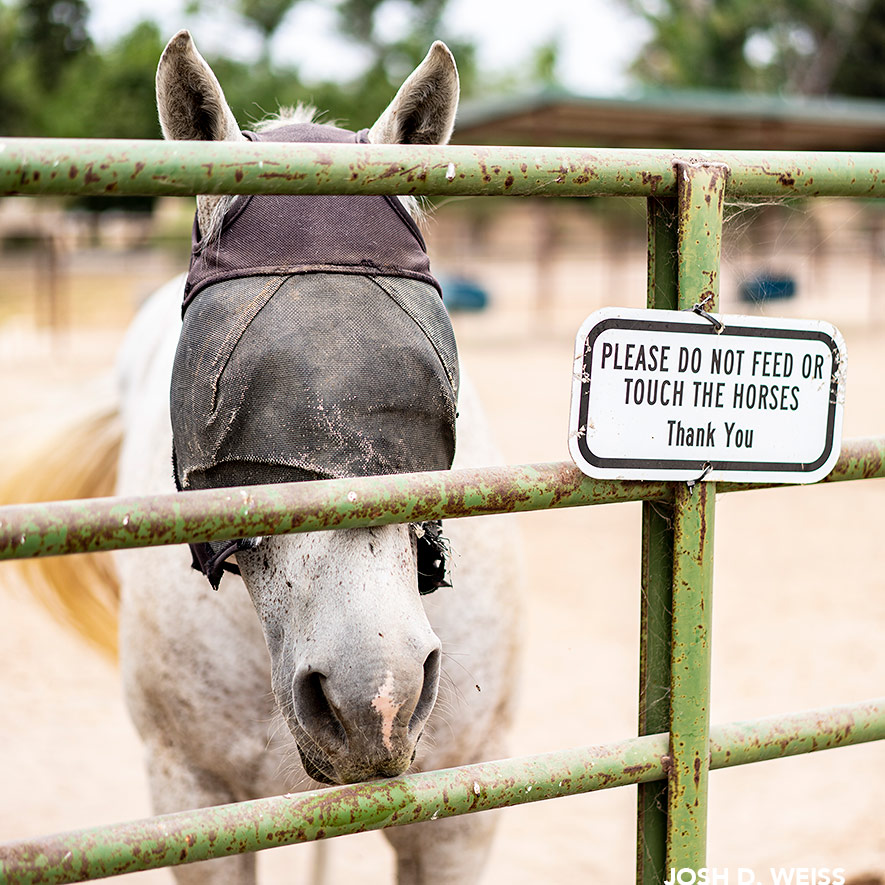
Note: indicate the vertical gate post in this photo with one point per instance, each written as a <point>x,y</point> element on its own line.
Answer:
<point>684,245</point>
<point>657,579</point>
<point>700,196</point>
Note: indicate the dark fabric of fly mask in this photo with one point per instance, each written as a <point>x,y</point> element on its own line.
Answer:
<point>314,345</point>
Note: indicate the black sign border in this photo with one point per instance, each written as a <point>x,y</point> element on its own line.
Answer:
<point>648,325</point>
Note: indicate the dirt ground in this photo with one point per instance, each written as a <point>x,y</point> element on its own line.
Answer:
<point>799,616</point>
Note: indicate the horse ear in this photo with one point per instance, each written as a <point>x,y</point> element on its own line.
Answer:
<point>423,111</point>
<point>190,102</point>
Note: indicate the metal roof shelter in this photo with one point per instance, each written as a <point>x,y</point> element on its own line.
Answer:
<point>677,119</point>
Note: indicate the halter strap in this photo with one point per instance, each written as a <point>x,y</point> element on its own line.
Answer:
<point>211,557</point>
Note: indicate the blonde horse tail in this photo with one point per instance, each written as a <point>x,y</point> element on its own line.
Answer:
<point>78,461</point>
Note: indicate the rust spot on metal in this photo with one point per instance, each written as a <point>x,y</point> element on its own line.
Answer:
<point>652,181</point>
<point>390,172</point>
<point>286,176</point>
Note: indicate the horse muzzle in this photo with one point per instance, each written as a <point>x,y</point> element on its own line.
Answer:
<point>347,736</point>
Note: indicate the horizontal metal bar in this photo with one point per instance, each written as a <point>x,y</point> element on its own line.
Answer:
<point>128,168</point>
<point>758,740</point>
<point>862,458</point>
<point>95,524</point>
<point>283,820</point>
<point>206,833</point>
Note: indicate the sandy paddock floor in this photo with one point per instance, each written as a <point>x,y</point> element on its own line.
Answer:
<point>799,616</point>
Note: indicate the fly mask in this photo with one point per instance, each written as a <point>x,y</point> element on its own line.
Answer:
<point>314,345</point>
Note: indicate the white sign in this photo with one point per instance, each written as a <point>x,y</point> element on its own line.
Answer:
<point>663,395</point>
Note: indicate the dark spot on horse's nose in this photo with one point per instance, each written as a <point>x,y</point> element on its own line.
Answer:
<point>316,767</point>
<point>315,711</point>
<point>429,690</point>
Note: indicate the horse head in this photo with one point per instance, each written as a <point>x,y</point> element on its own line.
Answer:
<point>304,355</point>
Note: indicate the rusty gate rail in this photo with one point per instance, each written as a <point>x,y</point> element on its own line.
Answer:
<point>676,747</point>
<point>190,836</point>
<point>97,524</point>
<point>110,167</point>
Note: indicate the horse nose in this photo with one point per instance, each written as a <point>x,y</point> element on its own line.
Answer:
<point>367,727</point>
<point>316,714</point>
<point>429,691</point>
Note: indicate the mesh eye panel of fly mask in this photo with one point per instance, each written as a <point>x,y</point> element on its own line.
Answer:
<point>314,345</point>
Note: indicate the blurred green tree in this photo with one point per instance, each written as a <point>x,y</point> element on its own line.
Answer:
<point>544,62</point>
<point>391,56</point>
<point>11,104</point>
<point>266,15</point>
<point>862,70</point>
<point>107,94</point>
<point>55,82</point>
<point>54,33</point>
<point>810,47</point>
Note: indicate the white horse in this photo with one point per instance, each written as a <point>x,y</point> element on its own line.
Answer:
<point>325,632</point>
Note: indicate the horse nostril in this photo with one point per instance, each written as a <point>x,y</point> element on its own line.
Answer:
<point>314,709</point>
<point>428,690</point>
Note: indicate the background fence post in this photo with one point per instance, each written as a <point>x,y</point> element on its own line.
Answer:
<point>657,579</point>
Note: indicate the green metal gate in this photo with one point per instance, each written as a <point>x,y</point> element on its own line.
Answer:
<point>671,758</point>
